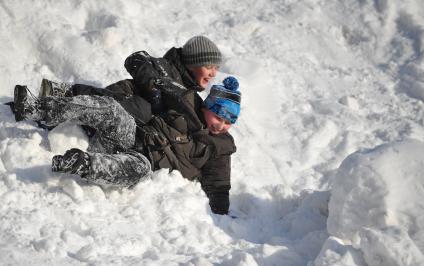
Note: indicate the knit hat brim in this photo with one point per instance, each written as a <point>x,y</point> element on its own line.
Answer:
<point>202,59</point>
<point>224,108</point>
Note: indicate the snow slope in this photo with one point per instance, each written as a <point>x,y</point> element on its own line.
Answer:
<point>375,204</point>
<point>320,79</point>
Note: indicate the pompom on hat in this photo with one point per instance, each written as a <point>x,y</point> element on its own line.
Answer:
<point>200,51</point>
<point>224,100</point>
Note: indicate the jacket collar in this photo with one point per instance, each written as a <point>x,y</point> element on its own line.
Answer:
<point>174,56</point>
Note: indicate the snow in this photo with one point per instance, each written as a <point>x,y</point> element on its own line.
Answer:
<point>330,140</point>
<point>67,136</point>
<point>375,203</point>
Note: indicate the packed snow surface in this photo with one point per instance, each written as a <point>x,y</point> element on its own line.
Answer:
<point>330,160</point>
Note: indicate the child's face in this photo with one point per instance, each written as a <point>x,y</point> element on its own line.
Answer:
<point>204,74</point>
<point>215,124</point>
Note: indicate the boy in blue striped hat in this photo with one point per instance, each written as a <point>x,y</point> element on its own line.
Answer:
<point>222,106</point>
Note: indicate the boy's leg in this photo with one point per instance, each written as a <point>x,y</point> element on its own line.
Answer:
<point>123,92</point>
<point>53,88</point>
<point>119,90</point>
<point>114,127</point>
<point>123,169</point>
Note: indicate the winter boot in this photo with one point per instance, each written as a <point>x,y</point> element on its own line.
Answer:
<point>56,89</point>
<point>74,161</point>
<point>26,106</point>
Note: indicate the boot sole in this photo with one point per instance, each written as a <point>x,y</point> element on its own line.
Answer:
<point>20,96</point>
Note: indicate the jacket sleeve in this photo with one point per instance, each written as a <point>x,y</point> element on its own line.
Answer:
<point>155,80</point>
<point>216,182</point>
<point>142,69</point>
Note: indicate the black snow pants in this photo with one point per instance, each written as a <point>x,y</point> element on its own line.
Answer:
<point>113,136</point>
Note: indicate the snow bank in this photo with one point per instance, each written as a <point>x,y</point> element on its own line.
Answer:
<point>376,206</point>
<point>320,80</point>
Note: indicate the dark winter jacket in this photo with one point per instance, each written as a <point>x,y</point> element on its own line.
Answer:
<point>149,72</point>
<point>176,137</point>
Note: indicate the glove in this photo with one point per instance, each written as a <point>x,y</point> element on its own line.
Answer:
<point>219,203</point>
<point>156,101</point>
<point>74,161</point>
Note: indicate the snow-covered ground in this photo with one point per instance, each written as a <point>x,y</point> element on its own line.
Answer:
<point>330,161</point>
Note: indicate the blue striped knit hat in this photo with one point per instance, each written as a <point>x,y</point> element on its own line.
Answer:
<point>224,100</point>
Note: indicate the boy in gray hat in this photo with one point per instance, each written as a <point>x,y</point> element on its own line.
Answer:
<point>192,66</point>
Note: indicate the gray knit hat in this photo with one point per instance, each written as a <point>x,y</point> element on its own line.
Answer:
<point>200,51</point>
